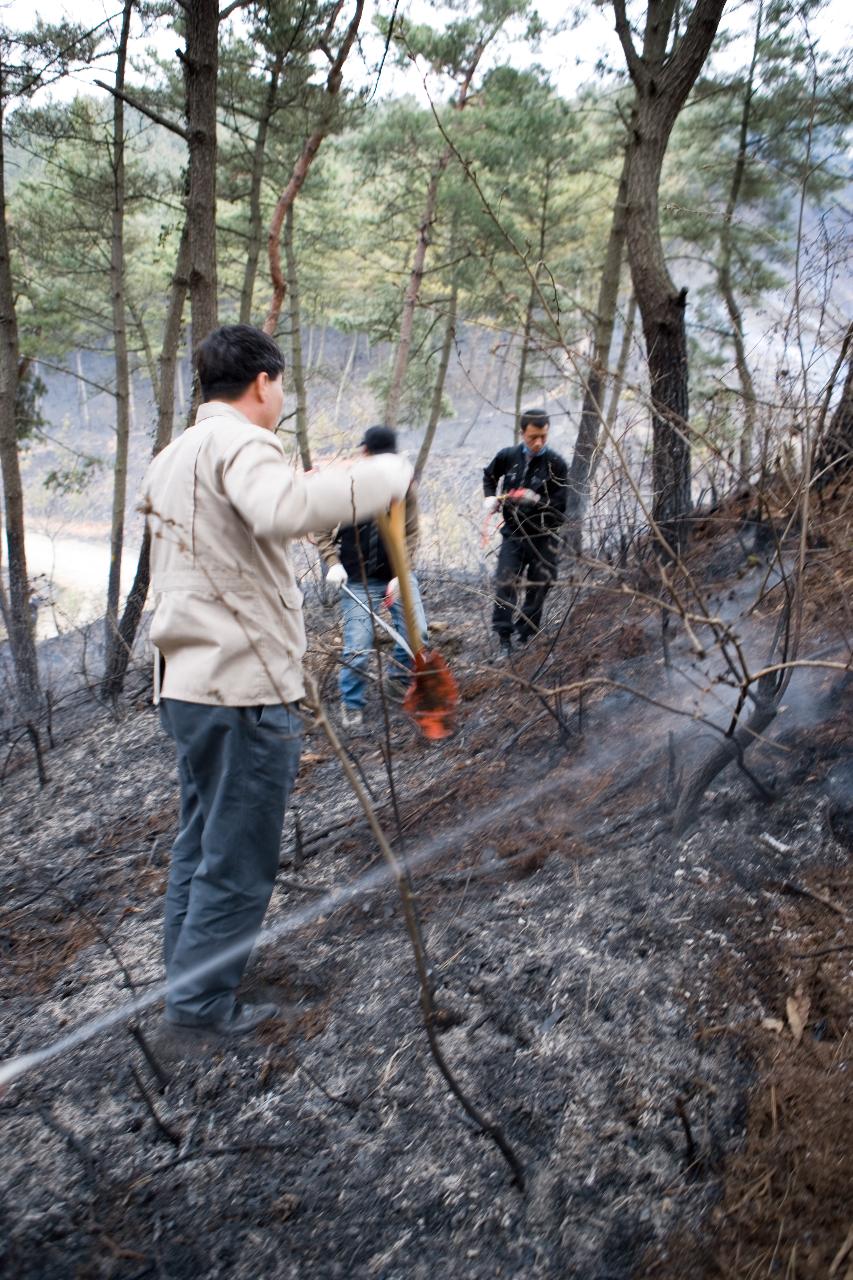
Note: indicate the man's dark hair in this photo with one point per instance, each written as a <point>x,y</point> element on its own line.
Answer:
<point>379,440</point>
<point>230,359</point>
<point>534,418</point>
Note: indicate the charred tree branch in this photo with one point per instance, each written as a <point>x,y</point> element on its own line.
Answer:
<point>428,1008</point>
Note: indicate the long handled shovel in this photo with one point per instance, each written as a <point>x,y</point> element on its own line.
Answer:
<point>433,696</point>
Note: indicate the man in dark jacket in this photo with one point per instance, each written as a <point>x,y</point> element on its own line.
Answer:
<point>356,557</point>
<point>533,488</point>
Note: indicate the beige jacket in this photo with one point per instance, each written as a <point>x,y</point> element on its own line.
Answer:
<point>222,503</point>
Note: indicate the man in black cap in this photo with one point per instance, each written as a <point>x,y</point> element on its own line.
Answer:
<point>533,482</point>
<point>356,558</point>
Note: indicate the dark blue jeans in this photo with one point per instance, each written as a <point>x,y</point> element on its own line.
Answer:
<point>360,639</point>
<point>237,766</point>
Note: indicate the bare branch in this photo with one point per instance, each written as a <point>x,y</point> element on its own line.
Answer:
<point>300,169</point>
<point>402,879</point>
<point>171,125</point>
<point>230,8</point>
<point>636,66</point>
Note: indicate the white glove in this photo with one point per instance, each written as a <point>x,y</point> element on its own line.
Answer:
<point>336,577</point>
<point>526,495</point>
<point>392,591</point>
<point>490,505</point>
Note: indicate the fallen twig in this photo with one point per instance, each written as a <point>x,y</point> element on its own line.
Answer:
<point>350,1103</point>
<point>495,866</point>
<point>825,951</point>
<point>300,886</point>
<point>172,1135</point>
<point>800,891</point>
<point>160,1074</point>
<point>680,1111</point>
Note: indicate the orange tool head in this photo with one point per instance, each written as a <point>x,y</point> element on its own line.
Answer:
<point>433,696</point>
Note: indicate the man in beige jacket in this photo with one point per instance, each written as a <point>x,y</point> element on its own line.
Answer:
<point>223,503</point>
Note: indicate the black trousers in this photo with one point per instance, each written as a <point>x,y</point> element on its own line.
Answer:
<point>533,557</point>
<point>237,766</point>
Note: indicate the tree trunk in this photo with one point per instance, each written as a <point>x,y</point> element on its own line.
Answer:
<point>82,394</point>
<point>297,369</point>
<point>200,64</point>
<point>531,303</point>
<point>441,376</point>
<point>345,376</point>
<point>662,82</point>
<point>666,350</point>
<point>321,350</point>
<point>662,315</point>
<point>4,606</point>
<point>122,377</point>
<point>522,360</point>
<point>835,452</point>
<point>4,602</point>
<point>619,373</point>
<point>21,638</point>
<point>413,289</point>
<point>253,251</point>
<point>592,409</point>
<point>169,364</point>
<point>144,338</point>
<point>115,673</point>
<point>724,271</point>
<point>502,361</point>
<point>179,380</point>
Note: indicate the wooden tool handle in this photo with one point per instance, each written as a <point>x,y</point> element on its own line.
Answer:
<point>393,529</point>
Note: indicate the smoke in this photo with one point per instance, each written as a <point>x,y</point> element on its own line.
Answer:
<point>693,688</point>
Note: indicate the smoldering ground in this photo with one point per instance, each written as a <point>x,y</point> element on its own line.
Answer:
<point>579,984</point>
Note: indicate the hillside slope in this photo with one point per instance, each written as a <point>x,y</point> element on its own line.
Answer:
<point>658,1024</point>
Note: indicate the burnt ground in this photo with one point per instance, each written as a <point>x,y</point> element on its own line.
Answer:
<point>659,1025</point>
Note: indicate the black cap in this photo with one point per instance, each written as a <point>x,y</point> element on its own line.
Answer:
<point>380,440</point>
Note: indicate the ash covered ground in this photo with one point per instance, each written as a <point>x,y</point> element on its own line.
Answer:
<point>617,999</point>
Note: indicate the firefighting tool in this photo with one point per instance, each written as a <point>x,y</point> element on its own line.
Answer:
<point>432,697</point>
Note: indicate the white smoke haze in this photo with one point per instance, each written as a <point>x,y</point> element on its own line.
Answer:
<point>647,725</point>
